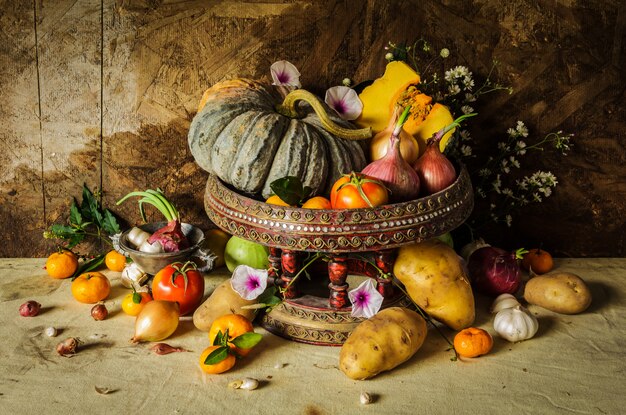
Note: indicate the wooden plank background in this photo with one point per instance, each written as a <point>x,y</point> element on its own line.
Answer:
<point>102,93</point>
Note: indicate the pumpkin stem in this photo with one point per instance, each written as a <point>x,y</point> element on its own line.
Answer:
<point>288,109</point>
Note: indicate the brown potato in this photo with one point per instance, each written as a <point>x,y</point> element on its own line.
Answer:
<point>383,342</point>
<point>224,300</point>
<point>436,280</point>
<point>561,292</point>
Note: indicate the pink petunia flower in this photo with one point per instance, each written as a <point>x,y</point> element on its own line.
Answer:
<point>345,101</point>
<point>285,73</point>
<point>365,299</point>
<point>249,282</point>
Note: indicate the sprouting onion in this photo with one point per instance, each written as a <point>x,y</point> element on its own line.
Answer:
<point>171,236</point>
<point>155,198</point>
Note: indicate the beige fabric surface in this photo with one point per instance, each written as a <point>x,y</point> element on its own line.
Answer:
<point>575,364</point>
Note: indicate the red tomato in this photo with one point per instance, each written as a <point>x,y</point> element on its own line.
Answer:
<point>348,191</point>
<point>181,283</point>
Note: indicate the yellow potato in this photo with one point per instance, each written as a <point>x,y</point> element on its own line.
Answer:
<point>436,280</point>
<point>223,300</point>
<point>381,343</point>
<point>561,292</point>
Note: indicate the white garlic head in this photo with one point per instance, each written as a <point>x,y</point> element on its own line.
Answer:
<point>515,324</point>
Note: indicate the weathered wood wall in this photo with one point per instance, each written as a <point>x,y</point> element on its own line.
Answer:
<point>102,93</point>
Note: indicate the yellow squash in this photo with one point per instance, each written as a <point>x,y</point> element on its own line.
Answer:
<point>399,85</point>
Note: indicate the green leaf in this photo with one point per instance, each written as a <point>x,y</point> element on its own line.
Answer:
<point>89,265</point>
<point>110,224</point>
<point>75,217</point>
<point>62,231</point>
<point>290,190</point>
<point>217,355</point>
<point>221,339</point>
<point>247,340</point>
<point>269,297</point>
<point>75,240</point>
<point>136,297</point>
<point>85,204</point>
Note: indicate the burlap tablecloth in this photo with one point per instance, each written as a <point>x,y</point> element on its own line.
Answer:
<point>575,364</point>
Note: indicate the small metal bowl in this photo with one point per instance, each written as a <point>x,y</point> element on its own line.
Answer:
<point>152,263</point>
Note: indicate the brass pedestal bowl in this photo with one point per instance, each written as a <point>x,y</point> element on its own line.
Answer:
<point>353,239</point>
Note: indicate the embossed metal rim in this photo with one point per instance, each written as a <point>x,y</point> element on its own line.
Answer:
<point>347,230</point>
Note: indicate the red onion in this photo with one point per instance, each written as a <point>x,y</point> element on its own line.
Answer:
<point>494,271</point>
<point>30,309</point>
<point>398,175</point>
<point>435,171</point>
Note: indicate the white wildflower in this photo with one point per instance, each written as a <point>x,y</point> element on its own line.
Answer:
<point>469,97</point>
<point>444,53</point>
<point>509,220</point>
<point>521,129</point>
<point>484,172</point>
<point>468,83</point>
<point>389,56</point>
<point>514,162</point>
<point>496,184</point>
<point>454,89</point>
<point>502,146</point>
<point>465,135</point>
<point>507,192</point>
<point>466,150</point>
<point>466,109</point>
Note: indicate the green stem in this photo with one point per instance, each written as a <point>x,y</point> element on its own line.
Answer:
<point>288,109</point>
<point>315,257</point>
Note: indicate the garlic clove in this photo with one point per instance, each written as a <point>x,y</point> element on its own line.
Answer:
<point>245,383</point>
<point>151,248</point>
<point>365,398</point>
<point>137,236</point>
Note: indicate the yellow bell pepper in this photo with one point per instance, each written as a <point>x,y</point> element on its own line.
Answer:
<point>398,85</point>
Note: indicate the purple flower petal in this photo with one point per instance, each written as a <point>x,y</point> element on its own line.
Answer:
<point>345,101</point>
<point>285,73</point>
<point>365,299</point>
<point>249,282</point>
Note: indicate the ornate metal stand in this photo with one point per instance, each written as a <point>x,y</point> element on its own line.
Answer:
<point>352,239</point>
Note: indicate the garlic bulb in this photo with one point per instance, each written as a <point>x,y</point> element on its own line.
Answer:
<point>503,301</point>
<point>137,236</point>
<point>515,324</point>
<point>133,276</point>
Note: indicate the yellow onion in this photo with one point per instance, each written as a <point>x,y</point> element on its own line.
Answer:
<point>409,149</point>
<point>157,321</point>
<point>397,175</point>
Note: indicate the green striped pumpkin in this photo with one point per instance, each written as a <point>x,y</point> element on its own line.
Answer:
<point>248,136</point>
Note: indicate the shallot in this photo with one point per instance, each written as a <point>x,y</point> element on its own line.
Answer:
<point>67,347</point>
<point>397,175</point>
<point>30,309</point>
<point>164,348</point>
<point>99,312</point>
<point>435,171</point>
